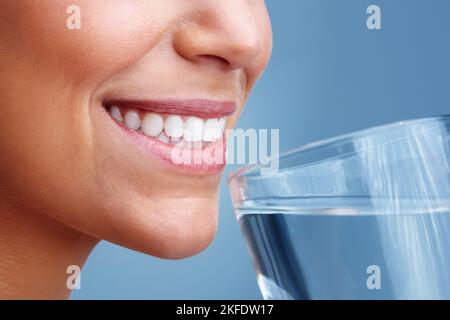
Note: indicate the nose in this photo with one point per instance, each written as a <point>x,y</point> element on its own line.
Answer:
<point>224,32</point>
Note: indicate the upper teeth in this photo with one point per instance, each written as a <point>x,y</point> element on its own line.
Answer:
<point>171,127</point>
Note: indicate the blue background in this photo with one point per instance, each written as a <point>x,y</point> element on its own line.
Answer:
<point>329,75</point>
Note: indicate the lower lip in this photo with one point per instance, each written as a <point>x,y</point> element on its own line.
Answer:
<point>163,152</point>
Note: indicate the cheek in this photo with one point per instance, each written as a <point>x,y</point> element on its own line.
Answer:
<point>107,41</point>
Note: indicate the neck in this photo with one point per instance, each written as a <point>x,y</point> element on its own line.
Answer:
<point>35,252</point>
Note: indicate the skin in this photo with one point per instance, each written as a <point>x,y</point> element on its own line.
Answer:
<point>68,181</point>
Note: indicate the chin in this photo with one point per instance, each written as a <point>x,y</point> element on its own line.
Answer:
<point>166,228</point>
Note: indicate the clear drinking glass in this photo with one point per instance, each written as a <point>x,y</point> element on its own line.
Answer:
<point>361,216</point>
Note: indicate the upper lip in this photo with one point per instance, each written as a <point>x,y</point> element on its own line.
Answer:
<point>191,107</point>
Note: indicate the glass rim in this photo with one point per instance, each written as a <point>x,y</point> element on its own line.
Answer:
<point>371,131</point>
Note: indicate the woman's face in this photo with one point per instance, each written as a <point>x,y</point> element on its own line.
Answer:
<point>91,119</point>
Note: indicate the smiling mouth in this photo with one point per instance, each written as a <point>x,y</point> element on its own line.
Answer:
<point>186,135</point>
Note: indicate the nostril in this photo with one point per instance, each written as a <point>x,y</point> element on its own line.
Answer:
<point>213,58</point>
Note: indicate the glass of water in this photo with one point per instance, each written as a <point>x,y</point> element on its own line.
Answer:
<point>361,216</point>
